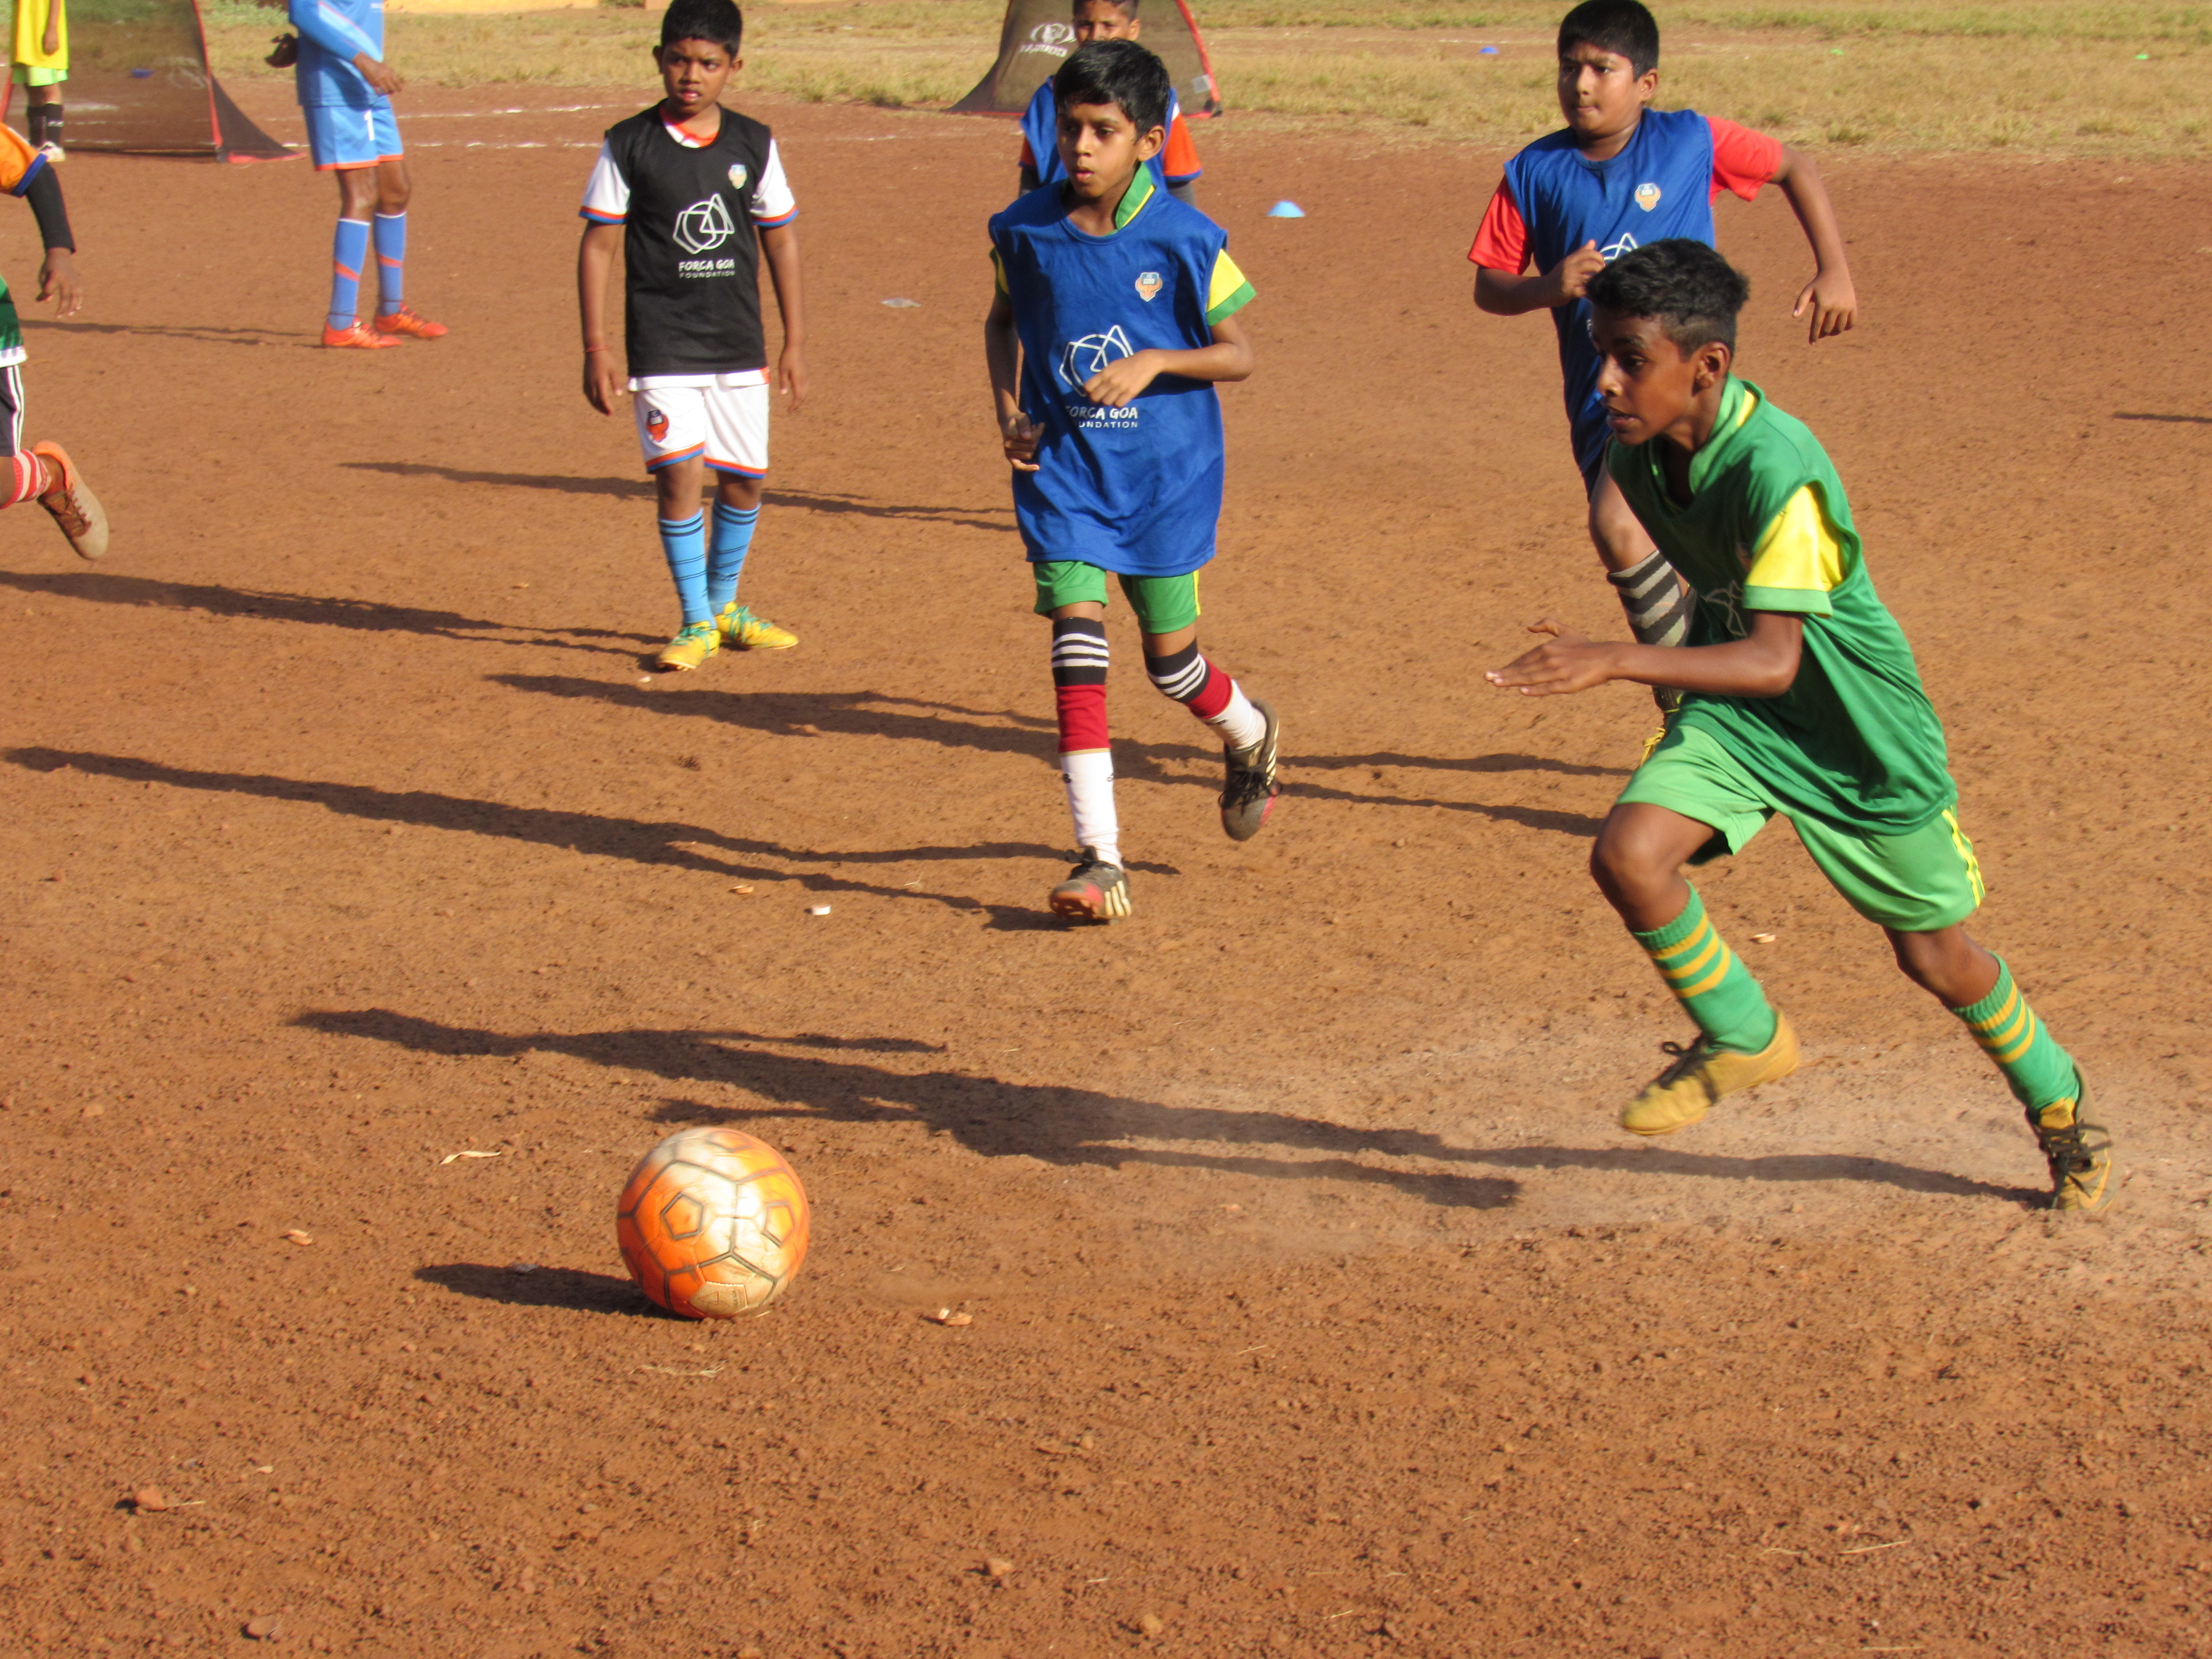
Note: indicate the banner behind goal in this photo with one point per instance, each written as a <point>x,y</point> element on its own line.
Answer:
<point>139,81</point>
<point>1037,37</point>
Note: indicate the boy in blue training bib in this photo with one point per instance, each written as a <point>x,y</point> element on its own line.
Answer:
<point>1619,176</point>
<point>1114,317</point>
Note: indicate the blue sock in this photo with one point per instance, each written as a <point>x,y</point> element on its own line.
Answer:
<point>391,261</point>
<point>684,542</point>
<point>348,249</point>
<point>726,560</point>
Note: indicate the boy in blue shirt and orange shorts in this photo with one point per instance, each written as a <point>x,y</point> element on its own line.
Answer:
<point>1619,176</point>
<point>1114,317</point>
<point>345,90</point>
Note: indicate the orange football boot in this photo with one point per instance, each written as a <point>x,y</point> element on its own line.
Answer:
<point>408,320</point>
<point>357,336</point>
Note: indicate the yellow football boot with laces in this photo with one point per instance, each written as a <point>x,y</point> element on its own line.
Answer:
<point>1700,1074</point>
<point>743,631</point>
<point>2080,1153</point>
<point>694,643</point>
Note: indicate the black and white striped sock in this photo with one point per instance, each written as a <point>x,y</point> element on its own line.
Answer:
<point>1658,601</point>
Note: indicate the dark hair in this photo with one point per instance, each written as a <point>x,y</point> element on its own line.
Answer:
<point>719,21</point>
<point>1692,291</point>
<point>1126,8</point>
<point>1113,72</point>
<point>1625,28</point>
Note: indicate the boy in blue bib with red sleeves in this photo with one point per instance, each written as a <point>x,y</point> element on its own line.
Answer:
<point>1112,320</point>
<point>1621,176</point>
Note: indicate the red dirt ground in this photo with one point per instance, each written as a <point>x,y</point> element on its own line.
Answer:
<point>1318,1306</point>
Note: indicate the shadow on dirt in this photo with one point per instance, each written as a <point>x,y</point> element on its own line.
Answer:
<point>544,1287</point>
<point>864,714</point>
<point>2169,420</point>
<point>687,845</point>
<point>1072,1126</point>
<point>360,615</point>
<point>643,489</point>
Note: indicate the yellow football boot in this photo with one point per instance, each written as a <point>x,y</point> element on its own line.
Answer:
<point>2080,1154</point>
<point>743,631</point>
<point>694,643</point>
<point>1700,1074</point>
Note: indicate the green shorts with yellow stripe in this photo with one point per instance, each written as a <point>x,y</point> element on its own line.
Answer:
<point>1916,883</point>
<point>1163,605</point>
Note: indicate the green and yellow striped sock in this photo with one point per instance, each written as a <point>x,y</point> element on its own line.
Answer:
<point>2038,1070</point>
<point>1716,989</point>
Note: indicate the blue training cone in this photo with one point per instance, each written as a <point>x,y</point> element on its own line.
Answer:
<point>1287,211</point>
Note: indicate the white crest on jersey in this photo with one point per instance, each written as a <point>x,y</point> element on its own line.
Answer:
<point>1647,197</point>
<point>1081,358</point>
<point>704,225</point>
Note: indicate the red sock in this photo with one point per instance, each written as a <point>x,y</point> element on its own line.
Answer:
<point>1082,718</point>
<point>32,477</point>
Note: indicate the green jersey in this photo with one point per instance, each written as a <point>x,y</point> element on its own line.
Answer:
<point>11,328</point>
<point>1853,741</point>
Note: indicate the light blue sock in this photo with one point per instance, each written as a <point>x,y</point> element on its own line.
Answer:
<point>726,559</point>
<point>348,249</point>
<point>390,262</point>
<point>684,542</point>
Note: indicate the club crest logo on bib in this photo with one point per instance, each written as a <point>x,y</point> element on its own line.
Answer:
<point>1148,284</point>
<point>656,424</point>
<point>1647,196</point>
<point>739,175</point>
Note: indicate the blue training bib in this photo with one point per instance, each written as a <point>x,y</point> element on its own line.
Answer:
<point>1659,186</point>
<point>1135,491</point>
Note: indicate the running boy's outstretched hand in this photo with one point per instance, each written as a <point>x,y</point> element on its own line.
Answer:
<point>58,282</point>
<point>1563,663</point>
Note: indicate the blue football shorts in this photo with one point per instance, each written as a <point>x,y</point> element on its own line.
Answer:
<point>340,137</point>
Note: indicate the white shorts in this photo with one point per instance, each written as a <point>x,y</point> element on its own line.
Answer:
<point>720,418</point>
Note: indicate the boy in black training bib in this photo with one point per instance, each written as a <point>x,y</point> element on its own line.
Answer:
<point>696,194</point>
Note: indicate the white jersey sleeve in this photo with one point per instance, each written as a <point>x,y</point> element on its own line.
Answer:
<point>772,203</point>
<point>606,197</point>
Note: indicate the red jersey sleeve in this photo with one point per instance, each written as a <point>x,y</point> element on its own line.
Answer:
<point>1179,160</point>
<point>1742,159</point>
<point>1502,241</point>
<point>1029,156</point>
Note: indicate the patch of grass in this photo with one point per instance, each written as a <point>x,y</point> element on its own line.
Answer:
<point>2041,75</point>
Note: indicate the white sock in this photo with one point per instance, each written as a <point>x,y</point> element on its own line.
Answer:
<point>1240,725</point>
<point>1089,775</point>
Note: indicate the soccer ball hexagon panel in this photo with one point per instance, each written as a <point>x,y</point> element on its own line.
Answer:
<point>712,1223</point>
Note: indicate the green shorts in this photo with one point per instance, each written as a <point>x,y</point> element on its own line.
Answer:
<point>1163,605</point>
<point>28,76</point>
<point>1915,883</point>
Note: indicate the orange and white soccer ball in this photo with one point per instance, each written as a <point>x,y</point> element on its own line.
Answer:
<point>712,1223</point>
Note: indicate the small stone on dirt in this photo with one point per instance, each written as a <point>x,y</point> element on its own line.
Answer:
<point>1151,1622</point>
<point>946,1316</point>
<point>148,1500</point>
<point>996,1565</point>
<point>265,1629</point>
<point>293,1235</point>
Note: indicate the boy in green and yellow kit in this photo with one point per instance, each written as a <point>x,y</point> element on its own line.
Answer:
<point>1800,697</point>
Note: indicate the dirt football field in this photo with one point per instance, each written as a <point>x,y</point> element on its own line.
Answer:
<point>1316,1303</point>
